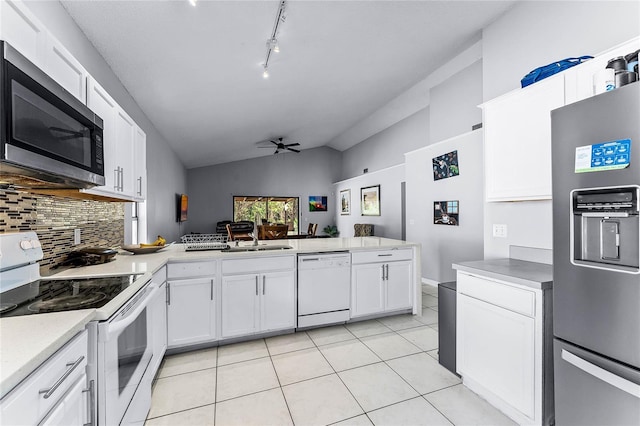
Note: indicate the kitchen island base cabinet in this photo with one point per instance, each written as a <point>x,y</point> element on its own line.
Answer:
<point>191,311</point>
<point>258,302</point>
<point>191,303</point>
<point>502,351</point>
<point>496,349</point>
<point>381,281</point>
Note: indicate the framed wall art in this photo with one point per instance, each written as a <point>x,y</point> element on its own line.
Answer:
<point>446,213</point>
<point>345,202</point>
<point>445,166</point>
<point>317,203</point>
<point>370,200</point>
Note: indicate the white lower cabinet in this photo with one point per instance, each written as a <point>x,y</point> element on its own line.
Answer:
<point>191,303</point>
<point>500,346</point>
<point>72,409</point>
<point>56,393</point>
<point>378,287</point>
<point>258,302</point>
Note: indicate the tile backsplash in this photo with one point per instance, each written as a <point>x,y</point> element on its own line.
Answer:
<point>54,219</point>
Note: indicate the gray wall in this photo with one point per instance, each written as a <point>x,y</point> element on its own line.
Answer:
<point>454,103</point>
<point>312,172</point>
<point>520,41</point>
<point>389,223</point>
<point>387,148</point>
<point>166,175</point>
<point>443,245</point>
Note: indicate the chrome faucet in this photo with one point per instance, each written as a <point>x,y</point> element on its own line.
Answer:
<point>254,235</point>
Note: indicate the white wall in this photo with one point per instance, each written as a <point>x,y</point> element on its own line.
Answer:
<point>389,223</point>
<point>531,34</point>
<point>312,172</point>
<point>443,245</point>
<point>166,175</point>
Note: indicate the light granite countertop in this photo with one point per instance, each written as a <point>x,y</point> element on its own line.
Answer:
<point>530,274</point>
<point>27,341</point>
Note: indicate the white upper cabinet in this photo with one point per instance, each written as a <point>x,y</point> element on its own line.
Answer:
<point>125,136</point>
<point>140,164</point>
<point>99,101</point>
<point>579,79</point>
<point>65,69</point>
<point>517,140</point>
<point>124,145</point>
<point>22,30</point>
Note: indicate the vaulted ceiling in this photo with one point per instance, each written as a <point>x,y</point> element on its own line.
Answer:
<point>197,71</point>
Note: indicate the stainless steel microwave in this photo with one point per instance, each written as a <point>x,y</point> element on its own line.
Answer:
<point>48,138</point>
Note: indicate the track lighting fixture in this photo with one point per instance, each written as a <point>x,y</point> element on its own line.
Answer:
<point>272,42</point>
<point>193,2</point>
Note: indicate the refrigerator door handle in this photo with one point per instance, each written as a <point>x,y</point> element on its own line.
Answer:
<point>602,374</point>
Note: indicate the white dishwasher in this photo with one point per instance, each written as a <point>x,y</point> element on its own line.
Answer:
<point>324,288</point>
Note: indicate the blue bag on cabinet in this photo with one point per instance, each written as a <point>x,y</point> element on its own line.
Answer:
<point>551,69</point>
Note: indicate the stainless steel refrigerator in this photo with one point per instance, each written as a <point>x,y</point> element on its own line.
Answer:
<point>596,264</point>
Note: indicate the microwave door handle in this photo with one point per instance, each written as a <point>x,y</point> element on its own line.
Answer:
<point>116,327</point>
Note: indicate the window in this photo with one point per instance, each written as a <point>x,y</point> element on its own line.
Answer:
<point>279,210</point>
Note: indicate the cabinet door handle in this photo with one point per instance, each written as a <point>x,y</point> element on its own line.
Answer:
<point>256,285</point>
<point>121,179</point>
<point>116,178</point>
<point>382,266</point>
<point>387,278</point>
<point>72,366</point>
<point>264,284</point>
<point>211,289</point>
<point>91,402</point>
<point>168,293</point>
<point>140,187</point>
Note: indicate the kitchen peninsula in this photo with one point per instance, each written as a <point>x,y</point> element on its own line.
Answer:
<point>22,353</point>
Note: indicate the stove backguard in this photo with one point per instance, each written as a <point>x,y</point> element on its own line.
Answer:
<point>605,228</point>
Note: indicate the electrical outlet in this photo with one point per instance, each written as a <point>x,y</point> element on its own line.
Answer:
<point>76,236</point>
<point>499,230</point>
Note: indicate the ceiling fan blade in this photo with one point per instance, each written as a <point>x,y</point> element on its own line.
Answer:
<point>293,144</point>
<point>273,142</point>
<point>294,150</point>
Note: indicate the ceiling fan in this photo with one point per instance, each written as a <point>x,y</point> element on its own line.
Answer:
<point>281,146</point>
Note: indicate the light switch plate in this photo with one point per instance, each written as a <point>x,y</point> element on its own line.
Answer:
<point>499,230</point>
<point>76,236</point>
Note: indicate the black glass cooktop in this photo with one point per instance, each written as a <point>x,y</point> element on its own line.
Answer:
<point>46,295</point>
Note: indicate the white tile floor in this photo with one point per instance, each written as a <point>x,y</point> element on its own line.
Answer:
<point>381,372</point>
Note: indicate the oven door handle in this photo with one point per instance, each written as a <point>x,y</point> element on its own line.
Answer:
<point>116,327</point>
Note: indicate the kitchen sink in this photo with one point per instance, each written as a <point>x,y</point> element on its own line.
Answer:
<point>256,248</point>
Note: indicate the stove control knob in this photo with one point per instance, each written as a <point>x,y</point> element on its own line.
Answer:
<point>35,244</point>
<point>25,245</point>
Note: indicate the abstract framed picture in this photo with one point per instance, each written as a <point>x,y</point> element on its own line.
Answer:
<point>445,166</point>
<point>446,213</point>
<point>317,203</point>
<point>345,202</point>
<point>370,200</point>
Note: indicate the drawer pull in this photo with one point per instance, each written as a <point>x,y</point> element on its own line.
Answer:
<point>385,255</point>
<point>48,392</point>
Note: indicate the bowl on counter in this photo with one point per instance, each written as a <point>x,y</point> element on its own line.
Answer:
<point>136,249</point>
